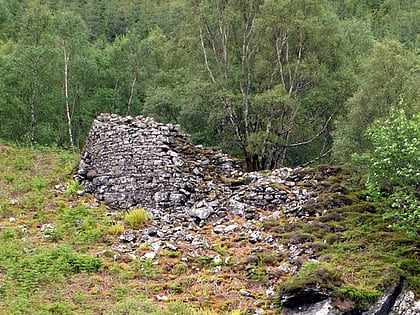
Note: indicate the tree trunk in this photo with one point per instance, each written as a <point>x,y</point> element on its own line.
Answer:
<point>66,56</point>
<point>32,113</point>
<point>130,99</point>
<point>32,100</point>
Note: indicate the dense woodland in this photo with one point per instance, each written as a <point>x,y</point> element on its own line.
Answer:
<point>276,82</point>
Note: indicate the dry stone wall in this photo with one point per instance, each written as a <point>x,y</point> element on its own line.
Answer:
<point>129,162</point>
<point>136,161</point>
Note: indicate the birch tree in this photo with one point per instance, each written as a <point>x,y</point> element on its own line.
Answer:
<point>33,56</point>
<point>72,35</point>
<point>390,80</point>
<point>269,65</point>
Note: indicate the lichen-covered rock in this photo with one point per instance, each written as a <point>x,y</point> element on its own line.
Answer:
<point>406,304</point>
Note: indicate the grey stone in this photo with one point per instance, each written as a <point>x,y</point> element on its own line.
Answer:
<point>47,227</point>
<point>162,298</point>
<point>231,228</point>
<point>150,255</point>
<point>128,237</point>
<point>201,213</point>
<point>171,247</point>
<point>219,229</point>
<point>406,304</point>
<point>245,293</point>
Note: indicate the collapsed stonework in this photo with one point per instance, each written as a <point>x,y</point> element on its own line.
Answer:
<point>129,162</point>
<point>138,162</point>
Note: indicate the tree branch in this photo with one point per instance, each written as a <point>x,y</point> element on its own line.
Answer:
<point>317,158</point>
<point>318,134</point>
<point>205,57</point>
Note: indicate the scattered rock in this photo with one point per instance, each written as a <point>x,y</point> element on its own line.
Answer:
<point>245,293</point>
<point>406,303</point>
<point>150,255</point>
<point>47,228</point>
<point>171,247</point>
<point>128,237</point>
<point>162,298</point>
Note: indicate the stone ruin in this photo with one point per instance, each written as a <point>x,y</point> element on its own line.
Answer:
<point>136,162</point>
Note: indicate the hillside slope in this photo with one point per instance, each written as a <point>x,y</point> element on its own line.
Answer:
<point>63,252</point>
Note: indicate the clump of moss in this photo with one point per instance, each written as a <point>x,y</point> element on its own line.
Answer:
<point>322,276</point>
<point>361,298</point>
<point>235,181</point>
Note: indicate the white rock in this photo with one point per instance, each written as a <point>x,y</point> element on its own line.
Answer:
<point>150,255</point>
<point>162,298</point>
<point>245,293</point>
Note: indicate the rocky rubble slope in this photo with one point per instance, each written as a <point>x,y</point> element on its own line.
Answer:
<point>206,209</point>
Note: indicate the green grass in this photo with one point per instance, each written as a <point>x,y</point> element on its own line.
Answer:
<point>141,306</point>
<point>81,223</point>
<point>137,217</point>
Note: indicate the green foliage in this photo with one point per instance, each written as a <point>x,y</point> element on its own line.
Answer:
<point>393,168</point>
<point>73,187</point>
<point>117,228</point>
<point>258,274</point>
<point>140,306</point>
<point>145,269</point>
<point>321,275</point>
<point>11,233</point>
<point>172,254</point>
<point>137,217</point>
<point>362,298</point>
<point>219,249</point>
<point>387,18</point>
<point>205,260</point>
<point>81,223</point>
<point>179,269</point>
<point>25,272</point>
<point>268,104</point>
<point>388,78</point>
<point>277,118</point>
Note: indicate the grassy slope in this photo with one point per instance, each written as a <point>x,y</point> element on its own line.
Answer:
<point>49,242</point>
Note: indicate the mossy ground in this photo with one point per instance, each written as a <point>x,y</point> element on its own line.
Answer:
<point>57,257</point>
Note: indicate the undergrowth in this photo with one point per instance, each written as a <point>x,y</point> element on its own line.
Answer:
<point>57,250</point>
<point>358,255</point>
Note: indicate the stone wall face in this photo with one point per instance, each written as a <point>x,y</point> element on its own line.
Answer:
<point>138,162</point>
<point>129,162</point>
